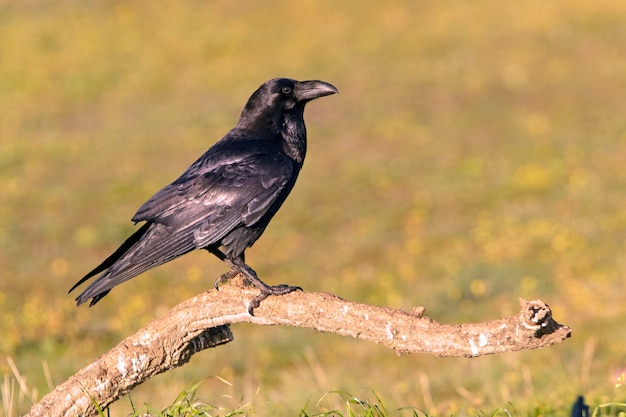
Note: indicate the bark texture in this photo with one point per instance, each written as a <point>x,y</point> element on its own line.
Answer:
<point>204,321</point>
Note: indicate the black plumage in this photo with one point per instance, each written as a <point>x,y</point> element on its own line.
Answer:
<point>224,201</point>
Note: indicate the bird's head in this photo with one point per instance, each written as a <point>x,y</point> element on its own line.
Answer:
<point>278,98</point>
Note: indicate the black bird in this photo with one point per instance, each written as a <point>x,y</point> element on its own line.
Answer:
<point>224,201</point>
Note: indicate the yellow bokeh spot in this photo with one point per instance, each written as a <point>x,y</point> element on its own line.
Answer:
<point>514,75</point>
<point>533,177</point>
<point>528,284</point>
<point>414,246</point>
<point>578,179</point>
<point>59,267</point>
<point>194,273</point>
<point>560,242</point>
<point>85,236</point>
<point>537,125</point>
<point>478,287</point>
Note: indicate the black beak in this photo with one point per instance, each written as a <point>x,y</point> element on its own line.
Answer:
<point>310,90</point>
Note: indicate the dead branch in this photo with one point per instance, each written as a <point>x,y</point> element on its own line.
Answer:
<point>203,322</point>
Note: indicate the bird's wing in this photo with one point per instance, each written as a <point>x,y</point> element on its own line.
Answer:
<point>194,212</point>
<point>239,191</point>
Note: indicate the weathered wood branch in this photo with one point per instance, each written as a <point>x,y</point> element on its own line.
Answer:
<point>203,322</point>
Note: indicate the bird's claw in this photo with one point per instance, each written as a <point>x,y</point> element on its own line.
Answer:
<point>223,279</point>
<point>280,289</point>
<point>256,301</point>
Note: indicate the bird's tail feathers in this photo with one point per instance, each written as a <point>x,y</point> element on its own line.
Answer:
<point>121,251</point>
<point>142,251</point>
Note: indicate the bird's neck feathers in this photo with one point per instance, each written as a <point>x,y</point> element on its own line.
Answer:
<point>293,131</point>
<point>286,126</point>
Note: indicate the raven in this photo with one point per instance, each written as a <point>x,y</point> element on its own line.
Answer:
<point>224,201</point>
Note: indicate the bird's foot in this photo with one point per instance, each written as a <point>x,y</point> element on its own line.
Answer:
<point>224,278</point>
<point>281,289</point>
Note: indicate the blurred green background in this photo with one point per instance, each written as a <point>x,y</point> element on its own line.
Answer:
<point>476,153</point>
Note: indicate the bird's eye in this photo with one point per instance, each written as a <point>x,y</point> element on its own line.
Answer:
<point>286,90</point>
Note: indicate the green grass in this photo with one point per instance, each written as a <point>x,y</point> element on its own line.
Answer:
<point>187,405</point>
<point>346,404</point>
<point>331,404</point>
<point>475,154</point>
